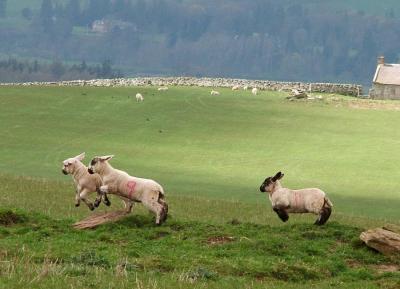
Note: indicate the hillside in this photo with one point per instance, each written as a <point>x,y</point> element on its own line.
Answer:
<point>274,40</point>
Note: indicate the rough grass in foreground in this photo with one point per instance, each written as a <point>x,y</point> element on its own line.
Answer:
<point>46,252</point>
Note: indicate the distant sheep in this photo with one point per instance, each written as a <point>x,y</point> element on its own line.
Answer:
<point>214,92</point>
<point>163,88</point>
<point>245,87</point>
<point>254,91</point>
<point>235,87</point>
<point>286,201</point>
<point>85,183</point>
<point>130,189</point>
<point>139,97</point>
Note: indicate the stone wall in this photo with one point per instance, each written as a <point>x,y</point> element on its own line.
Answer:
<point>345,89</point>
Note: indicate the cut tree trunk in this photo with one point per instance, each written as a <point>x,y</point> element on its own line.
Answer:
<point>384,240</point>
<point>97,219</point>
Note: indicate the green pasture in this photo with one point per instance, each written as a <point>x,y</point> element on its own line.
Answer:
<point>210,147</point>
<point>210,153</point>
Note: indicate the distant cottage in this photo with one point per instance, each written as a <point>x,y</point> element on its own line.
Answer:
<point>106,25</point>
<point>386,82</point>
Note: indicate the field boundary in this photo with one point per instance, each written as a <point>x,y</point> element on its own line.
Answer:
<point>337,88</point>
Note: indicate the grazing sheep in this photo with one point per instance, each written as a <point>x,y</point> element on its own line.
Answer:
<point>139,97</point>
<point>214,92</point>
<point>130,189</point>
<point>245,87</point>
<point>235,87</point>
<point>254,91</point>
<point>85,183</point>
<point>163,88</point>
<point>286,201</point>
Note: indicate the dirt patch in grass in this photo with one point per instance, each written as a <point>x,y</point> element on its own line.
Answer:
<point>219,240</point>
<point>381,268</point>
<point>386,268</point>
<point>9,218</point>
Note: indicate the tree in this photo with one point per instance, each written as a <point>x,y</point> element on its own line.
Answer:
<point>27,13</point>
<point>46,15</point>
<point>106,69</point>
<point>3,8</point>
<point>73,11</point>
<point>57,69</point>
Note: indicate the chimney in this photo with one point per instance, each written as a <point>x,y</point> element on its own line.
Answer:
<point>381,60</point>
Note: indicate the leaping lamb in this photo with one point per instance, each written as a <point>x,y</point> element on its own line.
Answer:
<point>286,201</point>
<point>84,182</point>
<point>130,189</point>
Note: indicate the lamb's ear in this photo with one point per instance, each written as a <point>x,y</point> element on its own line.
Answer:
<point>278,176</point>
<point>80,157</point>
<point>106,158</point>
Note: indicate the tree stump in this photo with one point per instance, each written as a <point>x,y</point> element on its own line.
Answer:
<point>385,240</point>
<point>95,220</point>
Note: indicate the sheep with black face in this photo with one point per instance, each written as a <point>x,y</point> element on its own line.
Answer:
<point>286,201</point>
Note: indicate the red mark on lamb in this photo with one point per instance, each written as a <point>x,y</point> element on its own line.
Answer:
<point>131,188</point>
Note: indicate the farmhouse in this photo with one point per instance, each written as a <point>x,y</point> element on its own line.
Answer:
<point>106,25</point>
<point>386,82</point>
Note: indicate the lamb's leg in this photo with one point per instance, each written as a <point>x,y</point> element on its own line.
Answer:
<point>97,201</point>
<point>77,198</point>
<point>83,197</point>
<point>150,201</point>
<point>324,214</point>
<point>128,205</point>
<point>281,212</point>
<point>106,200</point>
<point>100,196</point>
<point>164,212</point>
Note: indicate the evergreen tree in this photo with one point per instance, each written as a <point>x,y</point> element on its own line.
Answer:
<point>3,8</point>
<point>46,15</point>
<point>73,11</point>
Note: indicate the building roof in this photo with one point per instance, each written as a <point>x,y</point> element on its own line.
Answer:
<point>387,74</point>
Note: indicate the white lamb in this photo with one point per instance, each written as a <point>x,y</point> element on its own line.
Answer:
<point>254,91</point>
<point>139,97</point>
<point>286,201</point>
<point>85,183</point>
<point>130,189</point>
<point>163,88</point>
<point>235,87</point>
<point>214,92</point>
<point>245,87</point>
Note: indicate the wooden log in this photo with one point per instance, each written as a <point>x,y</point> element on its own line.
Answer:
<point>384,241</point>
<point>95,220</point>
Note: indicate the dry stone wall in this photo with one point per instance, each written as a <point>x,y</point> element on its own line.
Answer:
<point>345,89</point>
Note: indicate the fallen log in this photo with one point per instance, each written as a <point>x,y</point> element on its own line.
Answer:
<point>95,220</point>
<point>384,241</point>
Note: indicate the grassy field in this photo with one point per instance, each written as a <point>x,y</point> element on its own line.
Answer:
<point>211,154</point>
